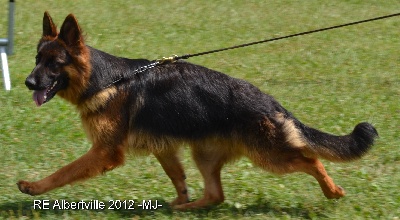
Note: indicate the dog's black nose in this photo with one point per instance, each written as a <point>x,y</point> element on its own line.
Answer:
<point>30,82</point>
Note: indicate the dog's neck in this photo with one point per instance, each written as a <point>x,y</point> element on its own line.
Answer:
<point>108,70</point>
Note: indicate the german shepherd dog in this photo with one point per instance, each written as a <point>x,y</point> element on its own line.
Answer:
<point>177,103</point>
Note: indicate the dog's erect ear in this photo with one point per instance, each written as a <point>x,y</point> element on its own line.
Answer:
<point>49,28</point>
<point>70,32</point>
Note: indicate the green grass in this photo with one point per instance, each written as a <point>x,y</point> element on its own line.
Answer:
<point>330,80</point>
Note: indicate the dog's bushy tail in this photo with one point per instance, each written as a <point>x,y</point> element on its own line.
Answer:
<point>339,148</point>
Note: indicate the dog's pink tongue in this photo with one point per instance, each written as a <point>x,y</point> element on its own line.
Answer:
<point>39,97</point>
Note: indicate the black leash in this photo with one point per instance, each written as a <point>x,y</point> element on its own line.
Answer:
<point>187,56</point>
<point>175,58</point>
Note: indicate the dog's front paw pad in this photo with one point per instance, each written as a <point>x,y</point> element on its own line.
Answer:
<point>25,187</point>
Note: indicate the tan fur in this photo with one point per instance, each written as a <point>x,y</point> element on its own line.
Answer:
<point>79,73</point>
<point>227,148</point>
<point>293,135</point>
<point>99,127</point>
<point>97,101</point>
<point>140,142</point>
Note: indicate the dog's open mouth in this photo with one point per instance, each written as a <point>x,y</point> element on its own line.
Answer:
<point>42,96</point>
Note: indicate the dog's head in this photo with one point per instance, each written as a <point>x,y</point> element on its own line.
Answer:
<point>62,62</point>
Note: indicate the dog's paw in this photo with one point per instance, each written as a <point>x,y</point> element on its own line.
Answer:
<point>337,193</point>
<point>179,201</point>
<point>26,187</point>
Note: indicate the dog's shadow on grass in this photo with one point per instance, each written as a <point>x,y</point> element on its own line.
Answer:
<point>258,208</point>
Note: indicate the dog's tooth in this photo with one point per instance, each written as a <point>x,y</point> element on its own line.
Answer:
<point>54,84</point>
<point>52,87</point>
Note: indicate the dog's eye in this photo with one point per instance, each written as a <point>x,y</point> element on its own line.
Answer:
<point>52,64</point>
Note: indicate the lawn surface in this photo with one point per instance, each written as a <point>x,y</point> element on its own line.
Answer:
<point>330,80</point>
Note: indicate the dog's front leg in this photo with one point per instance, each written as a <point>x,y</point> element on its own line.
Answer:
<point>96,161</point>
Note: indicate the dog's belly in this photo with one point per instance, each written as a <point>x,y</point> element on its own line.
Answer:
<point>141,142</point>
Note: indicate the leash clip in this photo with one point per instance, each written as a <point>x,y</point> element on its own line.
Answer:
<point>171,59</point>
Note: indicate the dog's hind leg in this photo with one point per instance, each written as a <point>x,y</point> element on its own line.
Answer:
<point>315,168</point>
<point>172,166</point>
<point>290,161</point>
<point>96,161</point>
<point>285,160</point>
